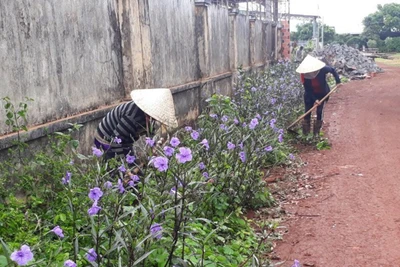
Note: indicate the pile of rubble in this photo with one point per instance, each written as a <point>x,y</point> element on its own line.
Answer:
<point>348,61</point>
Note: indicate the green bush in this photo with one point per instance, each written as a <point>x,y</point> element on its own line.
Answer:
<point>185,205</point>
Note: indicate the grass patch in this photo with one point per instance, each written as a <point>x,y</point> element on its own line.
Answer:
<point>394,60</point>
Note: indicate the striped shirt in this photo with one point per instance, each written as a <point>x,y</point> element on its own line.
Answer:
<point>126,121</point>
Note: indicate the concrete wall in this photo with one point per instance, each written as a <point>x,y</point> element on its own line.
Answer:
<point>75,56</point>
<point>65,55</point>
<point>219,39</point>
<point>243,40</point>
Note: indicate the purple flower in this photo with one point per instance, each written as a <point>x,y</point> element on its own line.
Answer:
<point>268,148</point>
<point>156,230</point>
<point>97,152</point>
<point>149,142</point>
<point>184,155</point>
<point>202,166</point>
<point>69,263</point>
<point>205,144</point>
<point>161,164</point>
<point>71,162</point>
<point>205,175</point>
<point>172,192</point>
<point>235,121</point>
<point>107,185</point>
<point>58,231</point>
<point>168,151</point>
<point>224,127</point>
<point>224,118</point>
<point>94,209</point>
<point>291,156</point>
<point>22,256</point>
<point>280,131</point>
<point>66,180</point>
<point>122,168</point>
<point>272,123</point>
<point>231,146</point>
<point>253,123</point>
<point>195,135</point>
<point>240,145</point>
<point>188,129</point>
<point>253,89</point>
<point>242,156</point>
<point>244,124</point>
<point>273,101</point>
<point>121,186</point>
<point>174,142</point>
<point>214,116</point>
<point>95,194</point>
<point>91,255</point>
<point>134,180</point>
<point>117,140</point>
<point>258,116</point>
<point>296,264</point>
<point>130,159</point>
<point>280,138</point>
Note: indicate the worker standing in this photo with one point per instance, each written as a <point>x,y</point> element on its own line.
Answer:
<point>313,77</point>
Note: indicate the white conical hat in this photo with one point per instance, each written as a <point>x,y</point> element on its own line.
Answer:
<point>310,64</point>
<point>157,103</point>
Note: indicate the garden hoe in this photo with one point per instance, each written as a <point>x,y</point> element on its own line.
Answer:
<point>289,129</point>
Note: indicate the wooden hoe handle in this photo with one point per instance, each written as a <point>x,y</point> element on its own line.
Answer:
<point>313,108</point>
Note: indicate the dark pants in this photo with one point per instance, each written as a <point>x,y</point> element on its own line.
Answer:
<point>308,104</point>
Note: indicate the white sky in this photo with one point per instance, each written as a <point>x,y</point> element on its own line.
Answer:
<point>345,15</point>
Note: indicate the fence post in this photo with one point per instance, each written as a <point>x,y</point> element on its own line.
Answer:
<point>233,40</point>
<point>252,21</point>
<point>203,36</point>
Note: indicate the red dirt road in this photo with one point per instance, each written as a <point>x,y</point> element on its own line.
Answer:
<point>353,215</point>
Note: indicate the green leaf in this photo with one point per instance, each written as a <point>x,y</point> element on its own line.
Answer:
<point>10,115</point>
<point>75,143</point>
<point>143,257</point>
<point>3,261</point>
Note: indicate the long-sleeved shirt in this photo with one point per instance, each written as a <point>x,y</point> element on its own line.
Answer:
<point>318,86</point>
<point>125,121</point>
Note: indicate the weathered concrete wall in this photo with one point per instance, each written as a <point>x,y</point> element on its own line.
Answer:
<point>243,40</point>
<point>219,39</point>
<point>173,47</point>
<point>259,44</point>
<point>74,56</point>
<point>63,54</point>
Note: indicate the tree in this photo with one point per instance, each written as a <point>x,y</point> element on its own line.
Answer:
<point>304,32</point>
<point>383,23</point>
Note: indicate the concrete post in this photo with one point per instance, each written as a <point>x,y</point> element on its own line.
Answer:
<point>252,21</point>
<point>265,44</point>
<point>203,36</point>
<point>233,57</point>
<point>136,44</point>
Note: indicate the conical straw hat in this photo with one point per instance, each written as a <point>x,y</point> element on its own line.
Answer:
<point>310,64</point>
<point>157,103</point>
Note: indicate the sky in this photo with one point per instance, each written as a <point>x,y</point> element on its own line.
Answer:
<point>345,15</point>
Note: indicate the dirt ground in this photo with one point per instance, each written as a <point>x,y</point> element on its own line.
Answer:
<point>351,215</point>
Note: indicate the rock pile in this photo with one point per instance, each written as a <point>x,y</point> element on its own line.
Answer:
<point>348,61</point>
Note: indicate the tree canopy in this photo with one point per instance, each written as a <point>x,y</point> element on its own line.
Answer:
<point>304,32</point>
<point>383,23</point>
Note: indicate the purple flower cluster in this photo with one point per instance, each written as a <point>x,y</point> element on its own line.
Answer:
<point>184,155</point>
<point>168,151</point>
<point>58,231</point>
<point>94,194</point>
<point>67,178</point>
<point>22,256</point>
<point>156,230</point>
<point>253,123</point>
<point>161,164</point>
<point>97,152</point>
